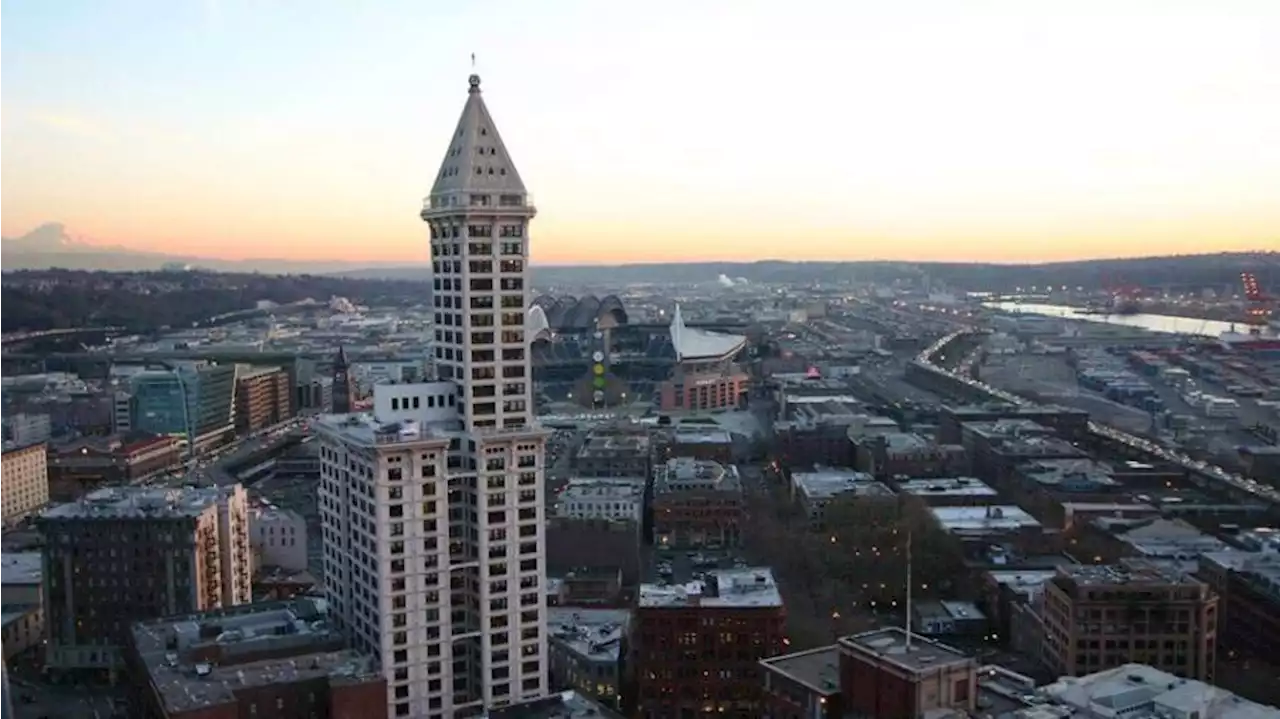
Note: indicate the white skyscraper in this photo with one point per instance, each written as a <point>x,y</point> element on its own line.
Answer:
<point>433,505</point>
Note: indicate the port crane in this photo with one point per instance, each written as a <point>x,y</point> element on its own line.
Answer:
<point>1260,305</point>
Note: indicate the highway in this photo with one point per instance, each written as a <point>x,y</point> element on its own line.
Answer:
<point>1256,489</point>
<point>215,467</point>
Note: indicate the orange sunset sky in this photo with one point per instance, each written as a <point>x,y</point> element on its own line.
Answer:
<point>656,131</point>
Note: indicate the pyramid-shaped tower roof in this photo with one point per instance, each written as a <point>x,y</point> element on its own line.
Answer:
<point>477,159</point>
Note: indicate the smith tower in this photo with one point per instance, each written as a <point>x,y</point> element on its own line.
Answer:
<point>432,506</point>
<point>478,213</point>
<point>479,216</point>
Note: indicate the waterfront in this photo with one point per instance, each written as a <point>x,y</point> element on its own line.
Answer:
<point>1167,324</point>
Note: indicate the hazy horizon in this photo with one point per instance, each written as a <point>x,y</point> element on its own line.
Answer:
<point>975,131</point>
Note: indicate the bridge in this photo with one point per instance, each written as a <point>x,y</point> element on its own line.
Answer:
<point>18,338</point>
<point>1204,475</point>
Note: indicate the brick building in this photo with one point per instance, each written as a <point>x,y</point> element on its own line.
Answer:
<point>125,554</point>
<point>264,396</point>
<point>26,480</point>
<point>890,673</point>
<point>88,463</point>
<point>696,647</point>
<point>697,503</point>
<point>1097,617</point>
<point>270,659</point>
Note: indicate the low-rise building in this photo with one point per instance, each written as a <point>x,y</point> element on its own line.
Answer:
<point>803,684</point>
<point>21,599</point>
<point>1139,690</point>
<point>906,454</point>
<point>618,449</point>
<point>1097,617</point>
<point>278,538</point>
<point>586,649</point>
<point>814,491</point>
<point>610,499</point>
<point>697,503</point>
<point>892,673</point>
<point>89,463</point>
<point>696,647</point>
<point>948,491</point>
<point>270,659</point>
<point>25,480</point>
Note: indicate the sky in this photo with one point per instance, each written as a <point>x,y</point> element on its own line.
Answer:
<point>664,130</point>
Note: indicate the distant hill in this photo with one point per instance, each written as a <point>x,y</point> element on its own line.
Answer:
<point>1188,273</point>
<point>51,245</point>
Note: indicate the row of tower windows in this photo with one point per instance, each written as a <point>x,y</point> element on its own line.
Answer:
<point>439,232</point>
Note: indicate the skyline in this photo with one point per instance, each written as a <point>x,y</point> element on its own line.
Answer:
<point>312,132</point>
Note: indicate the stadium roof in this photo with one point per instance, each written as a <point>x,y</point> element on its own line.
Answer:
<point>692,344</point>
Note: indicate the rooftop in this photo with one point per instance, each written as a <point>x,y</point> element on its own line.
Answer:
<point>1137,691</point>
<point>1128,573</point>
<point>365,429</point>
<point>950,486</point>
<point>695,344</point>
<point>829,483</point>
<point>686,434</point>
<point>1051,472</point>
<point>970,520</point>
<point>719,588</point>
<point>914,654</point>
<point>593,634</point>
<point>22,567</point>
<point>603,488</point>
<point>1029,582</point>
<point>202,660</point>
<point>1170,538</point>
<point>818,669</point>
<point>565,705</point>
<point>612,445</point>
<point>687,473</point>
<point>141,503</point>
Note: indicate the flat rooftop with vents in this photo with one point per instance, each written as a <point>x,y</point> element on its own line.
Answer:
<point>206,659</point>
<point>722,588</point>
<point>890,646</point>
<point>947,487</point>
<point>817,669</point>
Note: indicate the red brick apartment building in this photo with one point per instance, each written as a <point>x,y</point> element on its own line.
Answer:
<point>696,648</point>
<point>270,659</point>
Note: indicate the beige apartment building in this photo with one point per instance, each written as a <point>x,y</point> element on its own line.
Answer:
<point>1098,617</point>
<point>26,481</point>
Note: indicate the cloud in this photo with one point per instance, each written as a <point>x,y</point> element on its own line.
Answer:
<point>70,124</point>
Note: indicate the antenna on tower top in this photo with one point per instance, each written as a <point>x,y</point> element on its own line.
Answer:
<point>473,61</point>
<point>908,589</point>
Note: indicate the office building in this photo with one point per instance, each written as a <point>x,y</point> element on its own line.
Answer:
<point>263,397</point>
<point>1098,617</point>
<point>23,428</point>
<point>432,506</point>
<point>268,659</point>
<point>125,554</point>
<point>192,399</point>
<point>25,473</point>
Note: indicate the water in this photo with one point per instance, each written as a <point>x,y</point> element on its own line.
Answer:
<point>1168,324</point>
